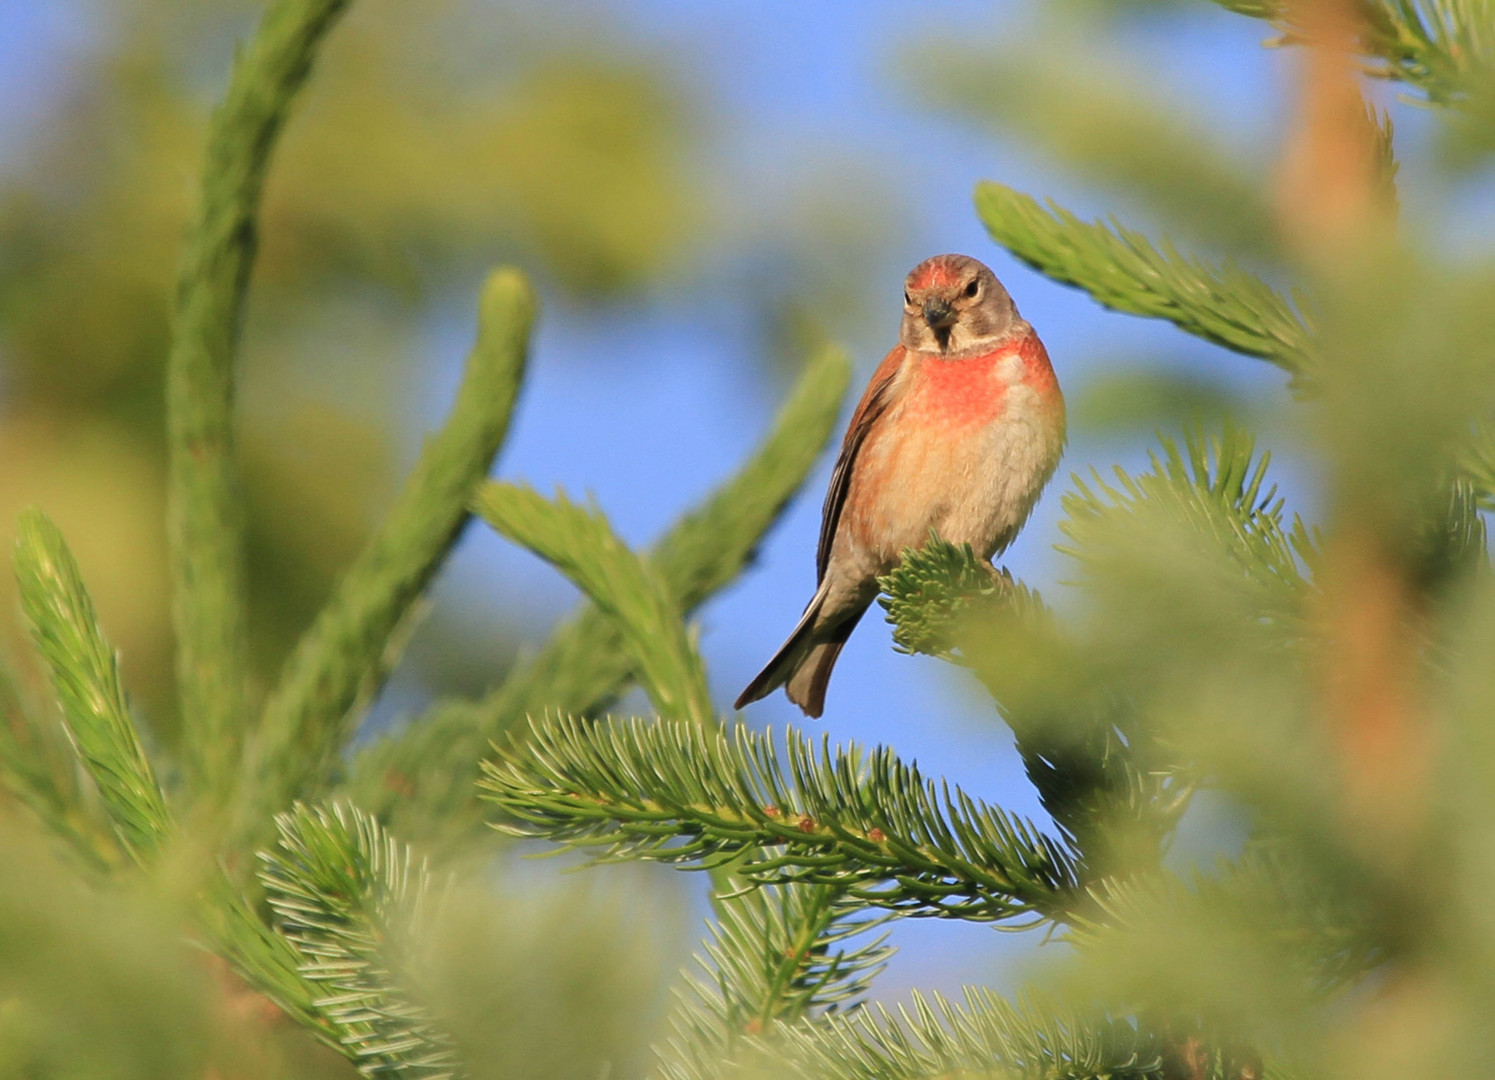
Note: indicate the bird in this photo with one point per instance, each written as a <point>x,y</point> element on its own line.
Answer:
<point>956,435</point>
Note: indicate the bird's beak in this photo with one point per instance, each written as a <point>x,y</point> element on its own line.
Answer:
<point>938,314</point>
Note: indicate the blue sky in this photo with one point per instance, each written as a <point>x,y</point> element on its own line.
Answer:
<point>647,407</point>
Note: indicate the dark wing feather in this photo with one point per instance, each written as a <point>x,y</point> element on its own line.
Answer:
<point>874,403</point>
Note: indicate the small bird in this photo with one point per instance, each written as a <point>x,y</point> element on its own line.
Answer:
<point>958,431</point>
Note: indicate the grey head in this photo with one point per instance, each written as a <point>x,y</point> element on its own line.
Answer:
<point>954,305</point>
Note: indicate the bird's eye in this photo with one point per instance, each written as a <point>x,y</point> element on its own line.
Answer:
<point>908,301</point>
<point>972,287</point>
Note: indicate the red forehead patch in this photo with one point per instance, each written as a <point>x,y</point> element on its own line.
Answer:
<point>934,274</point>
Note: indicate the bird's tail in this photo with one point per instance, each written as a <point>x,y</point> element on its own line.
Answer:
<point>804,662</point>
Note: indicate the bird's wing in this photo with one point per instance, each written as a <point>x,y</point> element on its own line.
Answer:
<point>875,401</point>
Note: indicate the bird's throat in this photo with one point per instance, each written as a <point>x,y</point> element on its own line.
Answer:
<point>959,391</point>
<point>975,389</point>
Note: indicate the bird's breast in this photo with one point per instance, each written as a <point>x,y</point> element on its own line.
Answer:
<point>965,451</point>
<point>959,392</point>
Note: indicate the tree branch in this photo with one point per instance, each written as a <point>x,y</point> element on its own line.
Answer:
<point>348,652</point>
<point>204,528</point>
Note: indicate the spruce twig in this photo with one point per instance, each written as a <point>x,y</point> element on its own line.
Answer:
<point>342,889</point>
<point>1123,270</point>
<point>204,529</point>
<point>865,823</point>
<point>933,1037</point>
<point>581,544</point>
<point>429,770</point>
<point>1097,771</point>
<point>346,655</point>
<point>232,928</point>
<point>85,676</point>
<point>38,766</point>
<point>1217,488</point>
<point>1444,48</point>
<point>778,955</point>
<point>937,590</point>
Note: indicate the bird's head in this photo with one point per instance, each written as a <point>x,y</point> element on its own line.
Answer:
<point>955,306</point>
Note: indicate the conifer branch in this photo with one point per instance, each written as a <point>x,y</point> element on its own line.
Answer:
<point>1445,48</point>
<point>987,1036</point>
<point>205,531</point>
<point>346,655</point>
<point>1216,487</point>
<point>581,544</point>
<point>867,824</point>
<point>938,590</point>
<point>776,955</point>
<point>1477,465</point>
<point>429,770</point>
<point>1083,750</point>
<point>1204,509</point>
<point>1122,270</point>
<point>38,767</point>
<point>1383,141</point>
<point>341,888</point>
<point>1291,900</point>
<point>1448,543</point>
<point>85,676</point>
<point>1097,120</point>
<point>1099,768</point>
<point>264,959</point>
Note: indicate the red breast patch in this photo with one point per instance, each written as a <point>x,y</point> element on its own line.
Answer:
<point>963,391</point>
<point>970,390</point>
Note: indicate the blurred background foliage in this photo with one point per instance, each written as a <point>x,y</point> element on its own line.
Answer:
<point>416,157</point>
<point>440,138</point>
<point>437,139</point>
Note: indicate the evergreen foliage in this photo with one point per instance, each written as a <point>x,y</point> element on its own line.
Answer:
<point>987,1036</point>
<point>36,764</point>
<point>585,665</point>
<point>343,659</point>
<point>1215,487</point>
<point>776,957</point>
<point>85,678</point>
<point>205,519</point>
<point>583,546</point>
<point>238,931</point>
<point>1326,690</point>
<point>314,933</point>
<point>1124,270</point>
<point>866,823</point>
<point>934,590</point>
<point>341,889</point>
<point>1440,47</point>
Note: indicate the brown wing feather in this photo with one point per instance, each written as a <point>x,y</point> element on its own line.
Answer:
<point>874,403</point>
